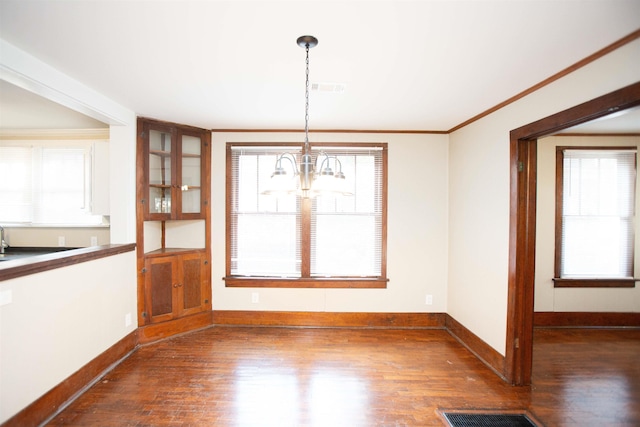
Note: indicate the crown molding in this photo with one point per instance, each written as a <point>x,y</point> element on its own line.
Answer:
<point>53,134</point>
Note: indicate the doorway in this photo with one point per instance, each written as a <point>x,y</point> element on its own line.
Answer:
<point>522,223</point>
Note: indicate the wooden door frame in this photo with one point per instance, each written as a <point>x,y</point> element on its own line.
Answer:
<point>522,221</point>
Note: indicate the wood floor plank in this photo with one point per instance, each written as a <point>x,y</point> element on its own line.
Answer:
<point>259,376</point>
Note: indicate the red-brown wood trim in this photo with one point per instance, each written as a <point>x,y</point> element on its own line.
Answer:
<point>519,336</point>
<point>141,211</point>
<point>158,331</point>
<point>305,245</point>
<point>618,100</point>
<point>559,211</point>
<point>523,143</point>
<point>329,319</point>
<point>390,131</point>
<point>169,125</point>
<point>262,282</point>
<point>483,351</point>
<point>594,283</point>
<point>62,394</point>
<point>592,134</point>
<point>582,319</point>
<point>38,264</point>
<point>597,55</point>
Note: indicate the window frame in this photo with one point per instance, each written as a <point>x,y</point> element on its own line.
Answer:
<point>603,282</point>
<point>306,281</point>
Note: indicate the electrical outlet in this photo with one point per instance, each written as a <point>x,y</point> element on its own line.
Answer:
<point>429,300</point>
<point>61,241</point>
<point>127,319</point>
<point>255,297</point>
<point>94,241</point>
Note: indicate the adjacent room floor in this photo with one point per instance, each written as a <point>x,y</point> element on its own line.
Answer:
<point>259,376</point>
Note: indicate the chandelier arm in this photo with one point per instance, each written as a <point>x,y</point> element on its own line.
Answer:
<point>292,160</point>
<point>325,160</point>
<point>338,163</point>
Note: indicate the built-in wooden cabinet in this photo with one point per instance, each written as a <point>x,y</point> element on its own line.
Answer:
<point>173,221</point>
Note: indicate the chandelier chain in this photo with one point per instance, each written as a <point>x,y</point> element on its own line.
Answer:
<point>306,104</point>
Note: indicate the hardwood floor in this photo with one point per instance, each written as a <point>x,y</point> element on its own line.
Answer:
<point>259,376</point>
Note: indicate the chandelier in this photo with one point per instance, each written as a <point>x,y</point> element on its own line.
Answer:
<point>314,177</point>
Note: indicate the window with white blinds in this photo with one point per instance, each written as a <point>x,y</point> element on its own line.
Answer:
<point>346,231</point>
<point>597,213</point>
<point>50,183</point>
<point>323,237</point>
<point>265,230</point>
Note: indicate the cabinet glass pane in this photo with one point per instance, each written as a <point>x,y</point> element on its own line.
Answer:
<point>191,160</point>
<point>161,288</point>
<point>191,145</point>
<point>159,158</point>
<point>159,172</point>
<point>191,201</point>
<point>191,173</point>
<point>159,200</point>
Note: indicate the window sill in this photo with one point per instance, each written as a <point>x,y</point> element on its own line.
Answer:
<point>333,282</point>
<point>627,282</point>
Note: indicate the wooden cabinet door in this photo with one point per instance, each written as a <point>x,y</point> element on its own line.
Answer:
<point>190,174</point>
<point>193,296</point>
<point>160,285</point>
<point>160,177</point>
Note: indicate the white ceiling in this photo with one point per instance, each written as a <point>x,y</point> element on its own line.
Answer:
<point>407,65</point>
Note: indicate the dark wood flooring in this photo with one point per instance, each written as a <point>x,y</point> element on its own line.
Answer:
<point>253,376</point>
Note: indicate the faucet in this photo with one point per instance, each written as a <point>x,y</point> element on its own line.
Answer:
<point>3,244</point>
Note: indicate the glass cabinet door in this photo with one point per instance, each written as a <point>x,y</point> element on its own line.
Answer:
<point>191,167</point>
<point>159,172</point>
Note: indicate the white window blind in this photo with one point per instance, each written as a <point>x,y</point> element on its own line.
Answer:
<point>598,213</point>
<point>16,197</point>
<point>345,232</point>
<point>50,183</point>
<point>265,238</point>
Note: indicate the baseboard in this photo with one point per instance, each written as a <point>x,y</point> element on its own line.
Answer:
<point>483,351</point>
<point>549,319</point>
<point>329,319</point>
<point>62,394</point>
<point>155,332</point>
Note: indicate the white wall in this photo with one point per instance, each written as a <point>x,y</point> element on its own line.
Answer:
<point>547,297</point>
<point>58,321</point>
<point>479,190</point>
<point>74,237</point>
<point>416,233</point>
<point>61,319</point>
